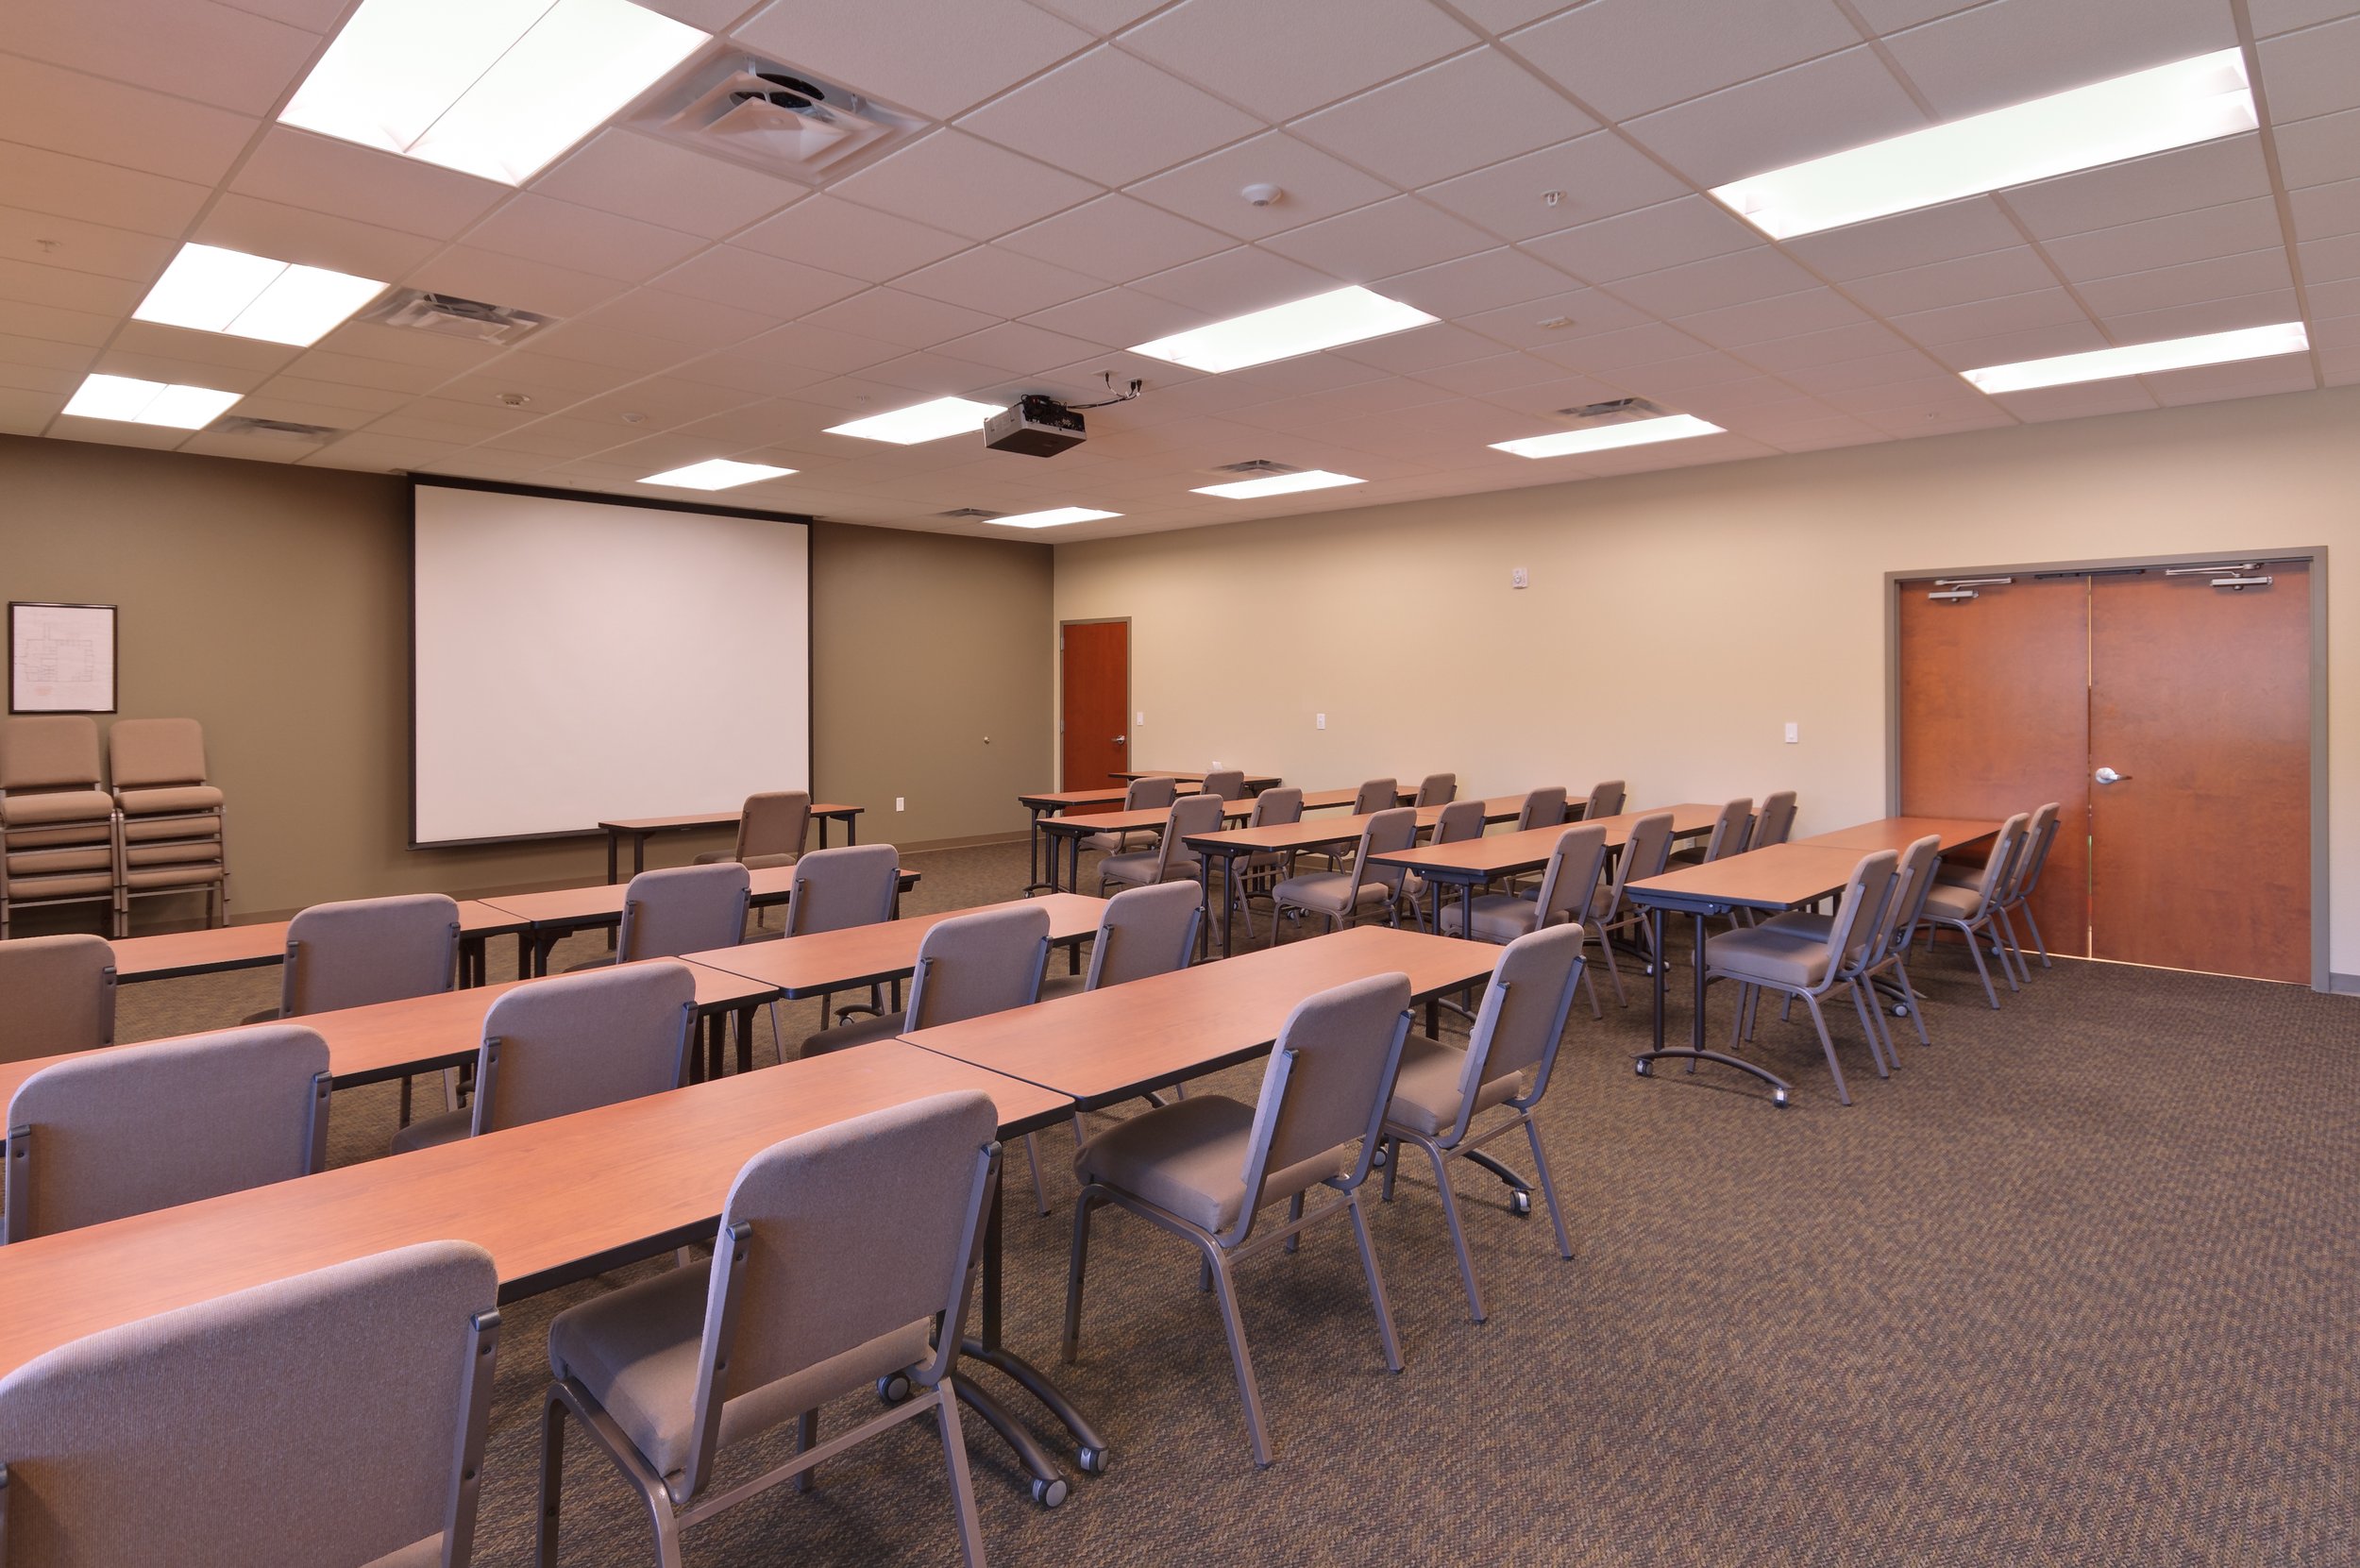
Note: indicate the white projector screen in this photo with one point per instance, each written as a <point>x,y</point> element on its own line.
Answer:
<point>576,660</point>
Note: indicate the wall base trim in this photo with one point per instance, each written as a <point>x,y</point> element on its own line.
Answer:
<point>2344,984</point>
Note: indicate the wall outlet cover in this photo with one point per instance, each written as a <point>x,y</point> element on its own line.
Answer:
<point>897,802</point>
<point>1793,733</point>
<point>1319,721</point>
<point>1519,578</point>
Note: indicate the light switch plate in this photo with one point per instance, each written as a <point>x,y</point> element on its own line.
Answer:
<point>1794,732</point>
<point>1319,721</point>
<point>1519,578</point>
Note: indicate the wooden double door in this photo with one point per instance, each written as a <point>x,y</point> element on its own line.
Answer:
<point>2171,720</point>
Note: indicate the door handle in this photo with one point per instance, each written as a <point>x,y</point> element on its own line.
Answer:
<point>1119,739</point>
<point>2107,775</point>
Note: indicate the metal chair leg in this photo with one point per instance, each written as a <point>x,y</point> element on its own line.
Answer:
<point>1548,1188</point>
<point>1918,1005</point>
<point>1613,970</point>
<point>1225,1293</point>
<point>2034,926</point>
<point>1826,1043</point>
<point>1458,1230</point>
<point>962,1484</point>
<point>1376,1282</point>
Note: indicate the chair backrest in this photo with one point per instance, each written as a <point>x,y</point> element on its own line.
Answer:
<point>57,994</point>
<point>1386,832</point>
<point>1437,789</point>
<point>1646,852</point>
<point>1606,800</point>
<point>1226,784</point>
<point>2006,846</point>
<point>1542,808</point>
<point>150,753</point>
<point>140,1127</point>
<point>1276,808</point>
<point>1146,931</point>
<point>970,965</point>
<point>1328,1082</point>
<point>366,950</point>
<point>577,1042</point>
<point>1775,822</point>
<point>1375,795</point>
<point>776,822</point>
<point>684,909</point>
<point>835,889</point>
<point>835,1238</point>
<point>1858,919</point>
<point>1571,874</point>
<point>1729,830</point>
<point>1914,880</point>
<point>333,1417</point>
<point>2024,876</point>
<point>1152,793</point>
<point>1188,814</point>
<point>1461,820</point>
<point>1522,1016</point>
<point>48,751</point>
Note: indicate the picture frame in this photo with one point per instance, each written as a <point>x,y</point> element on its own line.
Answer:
<point>62,658</point>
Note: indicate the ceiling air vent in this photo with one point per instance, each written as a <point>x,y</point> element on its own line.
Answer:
<point>452,316</point>
<point>1257,465</point>
<point>971,514</point>
<point>780,119</point>
<point>1612,411</point>
<point>273,430</point>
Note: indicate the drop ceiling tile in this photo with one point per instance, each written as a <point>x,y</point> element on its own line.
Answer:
<point>2315,152</point>
<point>1909,423</point>
<point>662,403</point>
<point>1668,380</point>
<point>437,351</point>
<point>934,376</point>
<point>1313,186</point>
<point>767,285</point>
<point>1115,239</point>
<point>2000,347</point>
<point>1555,395</point>
<point>1492,374</point>
<point>564,234</point>
<point>299,169</point>
<point>1987,317</point>
<point>1421,348</point>
<point>2125,394</point>
<point>1891,16</point>
<point>189,48</point>
<point>1785,315</point>
<point>936,59</point>
<point>380,454</point>
<point>1650,240</point>
<point>1236,281</point>
<point>613,346</point>
<point>32,283</point>
<point>1759,272</point>
<point>1491,280</point>
<point>843,237</point>
<point>2340,366</point>
<point>1101,18</point>
<point>254,449</point>
<point>498,279</point>
<point>89,248</point>
<point>1842,431</point>
<point>1886,368</point>
<point>1782,355</point>
<point>1993,55</point>
<point>319,364</point>
<point>42,181</point>
<point>331,404</point>
<point>696,326</point>
<point>2180,237</point>
<point>2246,378</point>
<point>2339,298</point>
<point>1445,119</point>
<point>1500,16</point>
<point>1400,235</point>
<point>1991,275</point>
<point>47,106</point>
<point>193,347</point>
<point>1754,401</point>
<point>54,324</point>
<point>2266,309</point>
<point>2181,180</point>
<point>2312,71</point>
<point>107,433</point>
<point>1110,116</point>
<point>964,184</point>
<point>1119,318</point>
<point>1557,319</point>
<point>479,419</point>
<point>1624,58</point>
<point>2320,211</point>
<point>313,239</point>
<point>1824,106</point>
<point>550,382</point>
<point>2272,17</point>
<point>641,178</point>
<point>1944,233</point>
<point>2331,260</point>
<point>1609,352</point>
<point>152,367</point>
<point>999,282</point>
<point>905,320</point>
<point>764,374</point>
<point>25,411</point>
<point>1282,61</point>
<point>807,345</point>
<point>1015,348</point>
<point>2197,281</point>
<point>45,353</point>
<point>1594,176</point>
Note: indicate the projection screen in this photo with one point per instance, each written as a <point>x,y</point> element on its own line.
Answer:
<point>575,660</point>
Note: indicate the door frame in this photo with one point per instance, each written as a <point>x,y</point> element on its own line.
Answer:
<point>2313,557</point>
<point>1128,643</point>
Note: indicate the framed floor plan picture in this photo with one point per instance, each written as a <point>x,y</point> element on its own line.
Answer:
<point>61,658</point>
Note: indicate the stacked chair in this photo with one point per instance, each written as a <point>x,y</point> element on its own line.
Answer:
<point>172,818</point>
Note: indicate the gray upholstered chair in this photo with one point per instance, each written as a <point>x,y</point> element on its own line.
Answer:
<point>366,950</point>
<point>1507,1061</point>
<point>569,1044</point>
<point>1644,856</point>
<point>60,835</point>
<point>1566,886</point>
<point>1973,912</point>
<point>1763,958</point>
<point>1437,789</point>
<point>141,1127</point>
<point>681,910</point>
<point>1204,1168</point>
<point>1731,827</point>
<point>1542,808</point>
<point>1227,783</point>
<point>172,817</point>
<point>846,1256</point>
<point>1154,793</point>
<point>1170,856</point>
<point>1888,947</point>
<point>1255,875</point>
<point>968,965</point>
<point>1344,897</point>
<point>771,831</point>
<point>57,994</point>
<point>1459,821</point>
<point>1145,931</point>
<point>2015,895</point>
<point>1606,800</point>
<point>1375,795</point>
<point>1774,822</point>
<point>335,1417</point>
<point>853,885</point>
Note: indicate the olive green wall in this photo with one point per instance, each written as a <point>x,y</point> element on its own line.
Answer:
<point>271,603</point>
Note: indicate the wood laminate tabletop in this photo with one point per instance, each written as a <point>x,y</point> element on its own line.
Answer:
<point>1255,782</point>
<point>1498,854</point>
<point>862,956</point>
<point>601,903</point>
<point>687,822</point>
<point>170,954</point>
<point>1779,877</point>
<point>1331,829</point>
<point>1900,832</point>
<point>1132,822</point>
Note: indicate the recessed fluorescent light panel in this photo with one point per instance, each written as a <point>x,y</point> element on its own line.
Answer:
<point>1639,432</point>
<point>2149,111</point>
<point>2098,365</point>
<point>211,290</point>
<point>920,422</point>
<point>1305,327</point>
<point>137,403</point>
<point>716,474</point>
<point>1278,485</point>
<point>495,87</point>
<point>1056,517</point>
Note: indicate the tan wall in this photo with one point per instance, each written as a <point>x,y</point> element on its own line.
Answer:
<point>1676,620</point>
<point>271,603</point>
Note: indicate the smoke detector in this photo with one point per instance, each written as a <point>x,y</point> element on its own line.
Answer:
<point>778,118</point>
<point>452,316</point>
<point>1263,195</point>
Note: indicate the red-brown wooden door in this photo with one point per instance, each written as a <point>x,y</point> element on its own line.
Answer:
<point>1095,676</point>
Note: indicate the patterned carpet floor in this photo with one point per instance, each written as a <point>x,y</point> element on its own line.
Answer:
<point>2075,1286</point>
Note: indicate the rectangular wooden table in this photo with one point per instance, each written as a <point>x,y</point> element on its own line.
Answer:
<point>872,955</point>
<point>640,829</point>
<point>1072,830</point>
<point>1898,832</point>
<point>551,916</point>
<point>172,954</point>
<point>1471,863</point>
<point>1255,782</point>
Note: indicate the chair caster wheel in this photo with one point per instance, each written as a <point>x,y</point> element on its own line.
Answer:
<point>1050,1493</point>
<point>893,1388</point>
<point>1519,1204</point>
<point>1382,1157</point>
<point>1778,1098</point>
<point>1092,1461</point>
<point>1643,1067</point>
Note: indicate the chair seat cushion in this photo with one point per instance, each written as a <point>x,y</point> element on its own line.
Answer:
<point>181,798</point>
<point>193,874</point>
<point>1425,1096</point>
<point>1802,925</point>
<point>858,1032</point>
<point>1329,892</point>
<point>1947,902</point>
<point>1188,1158</point>
<point>1138,869</point>
<point>636,1350</point>
<point>57,805</point>
<point>43,863</point>
<point>1760,952</point>
<point>1115,843</point>
<point>23,888</point>
<point>418,1554</point>
<point>1498,917</point>
<point>431,1132</point>
<point>203,829</point>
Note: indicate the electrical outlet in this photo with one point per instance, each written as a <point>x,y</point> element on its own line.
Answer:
<point>1519,578</point>
<point>1794,732</point>
<point>1216,765</point>
<point>1319,721</point>
<point>897,802</point>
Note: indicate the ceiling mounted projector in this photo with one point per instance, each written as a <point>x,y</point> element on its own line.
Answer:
<point>1036,427</point>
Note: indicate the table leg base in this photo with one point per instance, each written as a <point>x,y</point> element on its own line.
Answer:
<point>1049,1482</point>
<point>1782,1092</point>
